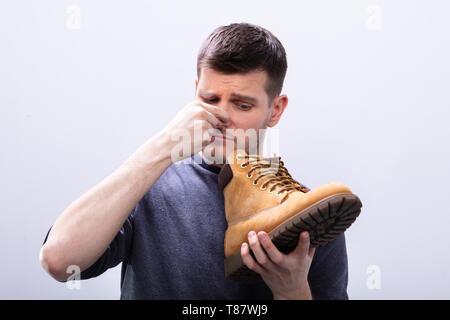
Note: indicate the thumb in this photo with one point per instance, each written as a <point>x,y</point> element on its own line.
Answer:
<point>303,245</point>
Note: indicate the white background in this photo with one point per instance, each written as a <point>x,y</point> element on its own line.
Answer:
<point>368,87</point>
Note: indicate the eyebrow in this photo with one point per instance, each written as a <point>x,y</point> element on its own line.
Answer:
<point>234,95</point>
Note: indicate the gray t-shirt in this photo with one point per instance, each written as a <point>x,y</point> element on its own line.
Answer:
<point>171,245</point>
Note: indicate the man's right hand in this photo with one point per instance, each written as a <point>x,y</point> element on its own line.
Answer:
<point>180,132</point>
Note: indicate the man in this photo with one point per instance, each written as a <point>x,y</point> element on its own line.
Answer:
<point>165,221</point>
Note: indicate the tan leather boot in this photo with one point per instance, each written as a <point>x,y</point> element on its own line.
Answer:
<point>261,195</point>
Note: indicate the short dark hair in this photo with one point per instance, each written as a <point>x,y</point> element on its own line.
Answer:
<point>245,47</point>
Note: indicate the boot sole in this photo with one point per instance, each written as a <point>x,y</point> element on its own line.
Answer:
<point>325,220</point>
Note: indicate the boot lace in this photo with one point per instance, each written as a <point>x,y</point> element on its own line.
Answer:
<point>273,171</point>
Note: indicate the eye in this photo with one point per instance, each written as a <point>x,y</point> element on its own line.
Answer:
<point>244,107</point>
<point>212,100</point>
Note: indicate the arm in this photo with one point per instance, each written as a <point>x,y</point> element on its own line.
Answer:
<point>84,230</point>
<point>328,275</point>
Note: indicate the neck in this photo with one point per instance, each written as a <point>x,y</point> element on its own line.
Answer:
<point>209,162</point>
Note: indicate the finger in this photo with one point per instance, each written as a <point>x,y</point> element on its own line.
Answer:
<point>303,245</point>
<point>311,252</point>
<point>210,117</point>
<point>248,259</point>
<point>274,254</point>
<point>208,134</point>
<point>260,255</point>
<point>219,113</point>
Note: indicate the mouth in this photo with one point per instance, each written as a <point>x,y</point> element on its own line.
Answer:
<point>223,138</point>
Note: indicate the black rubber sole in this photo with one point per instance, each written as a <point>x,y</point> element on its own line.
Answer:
<point>325,221</point>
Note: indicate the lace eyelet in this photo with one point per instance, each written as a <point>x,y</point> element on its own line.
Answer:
<point>271,191</point>
<point>249,175</point>
<point>278,193</point>
<point>255,183</point>
<point>242,165</point>
<point>263,188</point>
<point>239,157</point>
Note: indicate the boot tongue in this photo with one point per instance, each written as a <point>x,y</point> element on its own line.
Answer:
<point>226,174</point>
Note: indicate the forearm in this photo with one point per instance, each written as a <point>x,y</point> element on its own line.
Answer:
<point>86,227</point>
<point>303,293</point>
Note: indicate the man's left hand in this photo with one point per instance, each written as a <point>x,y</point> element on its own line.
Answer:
<point>285,274</point>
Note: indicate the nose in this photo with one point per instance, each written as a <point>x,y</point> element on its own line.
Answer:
<point>228,122</point>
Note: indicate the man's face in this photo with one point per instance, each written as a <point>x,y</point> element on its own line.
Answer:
<point>244,98</point>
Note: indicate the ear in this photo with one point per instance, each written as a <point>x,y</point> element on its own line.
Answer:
<point>196,84</point>
<point>278,106</point>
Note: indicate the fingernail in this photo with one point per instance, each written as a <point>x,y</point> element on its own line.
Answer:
<point>244,245</point>
<point>262,236</point>
<point>251,234</point>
